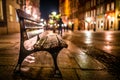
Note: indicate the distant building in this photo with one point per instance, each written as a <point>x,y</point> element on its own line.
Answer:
<point>99,15</point>
<point>69,11</point>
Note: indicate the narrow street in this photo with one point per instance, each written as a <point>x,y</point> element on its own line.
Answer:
<point>78,62</point>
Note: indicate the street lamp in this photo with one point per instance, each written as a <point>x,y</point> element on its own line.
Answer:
<point>53,18</point>
<point>54,13</point>
<point>88,19</point>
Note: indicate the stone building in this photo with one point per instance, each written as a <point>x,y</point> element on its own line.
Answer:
<point>69,11</point>
<point>9,22</point>
<point>97,15</point>
<point>8,18</point>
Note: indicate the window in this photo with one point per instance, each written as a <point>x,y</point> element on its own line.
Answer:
<point>119,3</point>
<point>98,1</point>
<point>88,13</point>
<point>11,13</point>
<point>101,9</point>
<point>101,24</point>
<point>1,11</point>
<point>112,6</point>
<point>94,2</point>
<point>108,7</point>
<point>94,13</point>
<point>21,1</point>
<point>98,24</point>
<point>98,10</point>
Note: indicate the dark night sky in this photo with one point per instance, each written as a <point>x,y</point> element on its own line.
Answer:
<point>47,6</point>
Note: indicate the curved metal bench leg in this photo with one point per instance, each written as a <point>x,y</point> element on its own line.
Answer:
<point>17,68</point>
<point>57,72</point>
<point>54,55</point>
<point>22,55</point>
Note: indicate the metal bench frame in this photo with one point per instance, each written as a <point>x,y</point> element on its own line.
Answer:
<point>23,53</point>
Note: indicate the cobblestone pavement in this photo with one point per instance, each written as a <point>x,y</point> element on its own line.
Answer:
<point>39,65</point>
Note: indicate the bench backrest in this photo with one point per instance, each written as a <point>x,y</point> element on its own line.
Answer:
<point>29,27</point>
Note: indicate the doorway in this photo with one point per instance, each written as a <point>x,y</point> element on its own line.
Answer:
<point>119,25</point>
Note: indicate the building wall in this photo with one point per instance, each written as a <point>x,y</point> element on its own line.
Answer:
<point>10,22</point>
<point>103,15</point>
<point>64,9</point>
<point>117,15</point>
<point>69,11</point>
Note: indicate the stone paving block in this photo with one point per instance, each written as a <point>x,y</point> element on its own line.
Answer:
<point>84,61</point>
<point>94,75</point>
<point>66,60</point>
<point>69,74</point>
<point>6,72</point>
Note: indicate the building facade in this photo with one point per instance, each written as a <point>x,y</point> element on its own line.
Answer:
<point>9,22</point>
<point>69,11</point>
<point>8,18</point>
<point>97,15</point>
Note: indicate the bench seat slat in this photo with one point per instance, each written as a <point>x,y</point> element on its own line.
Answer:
<point>22,14</point>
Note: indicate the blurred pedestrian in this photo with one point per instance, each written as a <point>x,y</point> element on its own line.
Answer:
<point>60,22</point>
<point>67,27</point>
<point>72,26</point>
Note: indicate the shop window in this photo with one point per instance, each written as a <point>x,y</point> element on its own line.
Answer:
<point>111,24</point>
<point>102,24</point>
<point>1,11</point>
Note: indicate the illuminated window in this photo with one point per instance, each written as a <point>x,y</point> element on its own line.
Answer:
<point>11,12</point>
<point>94,12</point>
<point>101,9</point>
<point>108,7</point>
<point>112,6</point>
<point>98,10</point>
<point>1,11</point>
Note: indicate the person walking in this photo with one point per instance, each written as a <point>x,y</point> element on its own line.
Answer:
<point>60,22</point>
<point>72,26</point>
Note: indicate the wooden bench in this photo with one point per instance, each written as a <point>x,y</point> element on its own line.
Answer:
<point>30,28</point>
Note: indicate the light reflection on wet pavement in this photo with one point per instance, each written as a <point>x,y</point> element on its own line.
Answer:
<point>85,62</point>
<point>74,62</point>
